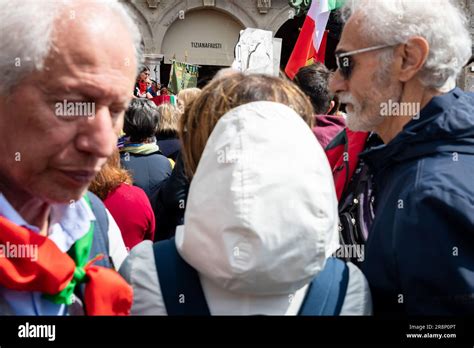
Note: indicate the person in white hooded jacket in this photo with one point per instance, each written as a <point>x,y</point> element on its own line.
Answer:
<point>261,216</point>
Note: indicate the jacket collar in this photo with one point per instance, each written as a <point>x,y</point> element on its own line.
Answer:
<point>446,123</point>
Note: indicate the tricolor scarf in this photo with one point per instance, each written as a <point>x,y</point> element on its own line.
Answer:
<point>56,274</point>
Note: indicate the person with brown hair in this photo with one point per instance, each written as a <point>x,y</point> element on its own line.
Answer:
<point>128,204</point>
<point>221,95</point>
<point>261,216</point>
<point>141,86</point>
<point>314,80</point>
<point>169,202</point>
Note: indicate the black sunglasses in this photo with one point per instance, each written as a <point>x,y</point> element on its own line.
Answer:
<point>345,63</point>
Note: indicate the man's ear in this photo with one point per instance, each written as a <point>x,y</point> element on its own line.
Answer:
<point>414,55</point>
<point>331,106</point>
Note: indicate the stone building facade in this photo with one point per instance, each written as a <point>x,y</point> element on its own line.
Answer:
<point>204,32</point>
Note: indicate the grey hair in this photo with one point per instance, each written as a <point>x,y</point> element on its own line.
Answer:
<point>26,29</point>
<point>442,23</point>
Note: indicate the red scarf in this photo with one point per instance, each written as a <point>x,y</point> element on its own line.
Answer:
<point>106,293</point>
<point>142,86</point>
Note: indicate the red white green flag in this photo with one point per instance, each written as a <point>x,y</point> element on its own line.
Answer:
<point>311,44</point>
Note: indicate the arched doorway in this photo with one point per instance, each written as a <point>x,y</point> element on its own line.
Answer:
<point>206,37</point>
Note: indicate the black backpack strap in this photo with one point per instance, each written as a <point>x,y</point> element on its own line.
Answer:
<point>179,282</point>
<point>327,291</point>
<point>100,243</point>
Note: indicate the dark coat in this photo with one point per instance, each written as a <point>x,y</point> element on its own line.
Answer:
<point>169,146</point>
<point>148,171</point>
<point>419,257</point>
<point>169,202</point>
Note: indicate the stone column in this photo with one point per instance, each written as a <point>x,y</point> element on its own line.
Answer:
<point>153,61</point>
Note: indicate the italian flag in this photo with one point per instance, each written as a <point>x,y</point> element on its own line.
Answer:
<point>311,44</point>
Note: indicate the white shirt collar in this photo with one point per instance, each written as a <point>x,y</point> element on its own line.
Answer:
<point>69,222</point>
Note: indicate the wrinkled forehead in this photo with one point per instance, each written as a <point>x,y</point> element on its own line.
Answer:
<point>352,37</point>
<point>86,36</point>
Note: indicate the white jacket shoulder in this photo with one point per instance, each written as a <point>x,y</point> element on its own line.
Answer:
<point>358,300</point>
<point>139,271</point>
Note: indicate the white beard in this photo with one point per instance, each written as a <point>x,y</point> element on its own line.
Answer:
<point>358,121</point>
<point>368,118</point>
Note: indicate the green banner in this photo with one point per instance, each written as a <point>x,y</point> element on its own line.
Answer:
<point>182,76</point>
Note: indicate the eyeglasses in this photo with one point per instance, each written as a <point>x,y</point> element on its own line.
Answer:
<point>345,63</point>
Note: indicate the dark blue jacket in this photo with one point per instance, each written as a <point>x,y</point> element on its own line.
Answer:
<point>169,145</point>
<point>169,202</point>
<point>419,258</point>
<point>148,171</point>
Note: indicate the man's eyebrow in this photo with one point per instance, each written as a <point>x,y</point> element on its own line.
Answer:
<point>47,90</point>
<point>61,91</point>
<point>86,93</point>
<point>121,103</point>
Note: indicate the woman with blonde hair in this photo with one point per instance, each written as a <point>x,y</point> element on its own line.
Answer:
<point>167,134</point>
<point>187,96</point>
<point>261,216</point>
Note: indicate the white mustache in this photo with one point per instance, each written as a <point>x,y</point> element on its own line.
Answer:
<point>347,98</point>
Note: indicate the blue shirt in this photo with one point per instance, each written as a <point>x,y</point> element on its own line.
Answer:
<point>69,222</point>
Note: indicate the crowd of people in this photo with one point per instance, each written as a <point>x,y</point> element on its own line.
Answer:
<point>256,195</point>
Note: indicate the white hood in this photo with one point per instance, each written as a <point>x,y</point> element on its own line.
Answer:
<point>261,216</point>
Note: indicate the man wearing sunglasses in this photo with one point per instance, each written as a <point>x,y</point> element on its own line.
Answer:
<point>397,65</point>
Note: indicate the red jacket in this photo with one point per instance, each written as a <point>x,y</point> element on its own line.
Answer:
<point>131,209</point>
<point>343,155</point>
<point>327,127</point>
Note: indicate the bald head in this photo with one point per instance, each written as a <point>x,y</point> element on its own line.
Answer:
<point>85,47</point>
<point>34,25</point>
<point>84,25</point>
<point>68,104</point>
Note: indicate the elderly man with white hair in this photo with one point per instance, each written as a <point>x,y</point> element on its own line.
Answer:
<point>397,65</point>
<point>65,85</point>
